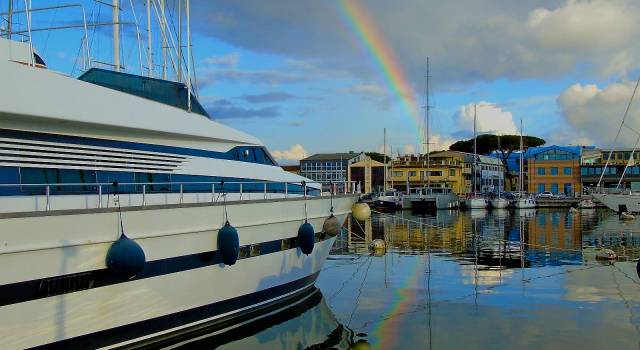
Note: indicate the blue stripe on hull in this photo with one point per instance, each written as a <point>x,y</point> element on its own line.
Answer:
<point>58,285</point>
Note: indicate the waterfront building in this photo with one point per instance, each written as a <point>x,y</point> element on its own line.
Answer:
<point>327,167</point>
<point>594,161</point>
<point>368,173</point>
<point>448,169</point>
<point>554,169</point>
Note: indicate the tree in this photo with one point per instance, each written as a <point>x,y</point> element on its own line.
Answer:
<point>378,157</point>
<point>487,143</point>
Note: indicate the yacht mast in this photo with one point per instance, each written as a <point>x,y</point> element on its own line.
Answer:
<point>165,43</point>
<point>179,41</point>
<point>149,47</point>
<point>187,10</point>
<point>9,19</point>
<point>116,35</point>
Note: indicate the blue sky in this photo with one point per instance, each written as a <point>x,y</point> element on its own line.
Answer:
<point>292,74</point>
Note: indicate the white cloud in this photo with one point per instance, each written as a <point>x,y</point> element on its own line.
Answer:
<point>595,114</point>
<point>409,149</point>
<point>296,152</point>
<point>440,143</point>
<point>230,60</point>
<point>372,92</point>
<point>490,119</point>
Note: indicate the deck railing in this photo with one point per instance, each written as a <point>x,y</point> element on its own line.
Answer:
<point>175,192</point>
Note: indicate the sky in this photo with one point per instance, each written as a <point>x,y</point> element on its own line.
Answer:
<point>328,76</point>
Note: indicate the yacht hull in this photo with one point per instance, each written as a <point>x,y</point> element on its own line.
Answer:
<point>437,201</point>
<point>69,299</point>
<point>619,202</point>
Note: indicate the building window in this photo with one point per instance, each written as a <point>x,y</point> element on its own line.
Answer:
<point>452,172</point>
<point>554,171</point>
<point>554,188</point>
<point>398,174</point>
<point>541,171</point>
<point>541,188</point>
<point>412,173</point>
<point>567,170</point>
<point>583,171</point>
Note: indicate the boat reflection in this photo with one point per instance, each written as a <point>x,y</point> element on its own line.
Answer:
<point>498,239</point>
<point>306,323</point>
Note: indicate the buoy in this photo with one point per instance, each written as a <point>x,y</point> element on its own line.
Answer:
<point>606,254</point>
<point>228,244</point>
<point>361,211</point>
<point>626,216</point>
<point>331,226</point>
<point>125,257</point>
<point>377,244</point>
<point>306,237</point>
<point>361,345</point>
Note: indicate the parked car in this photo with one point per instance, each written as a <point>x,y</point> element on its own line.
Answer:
<point>545,194</point>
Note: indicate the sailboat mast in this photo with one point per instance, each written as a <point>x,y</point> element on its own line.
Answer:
<point>426,126</point>
<point>384,143</point>
<point>521,159</point>
<point>116,35</point>
<point>475,111</point>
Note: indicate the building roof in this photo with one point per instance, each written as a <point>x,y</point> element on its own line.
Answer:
<point>332,156</point>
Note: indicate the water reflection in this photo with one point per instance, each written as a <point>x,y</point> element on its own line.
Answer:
<point>308,323</point>
<point>489,279</point>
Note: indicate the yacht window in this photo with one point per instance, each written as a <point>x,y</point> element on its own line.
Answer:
<point>260,158</point>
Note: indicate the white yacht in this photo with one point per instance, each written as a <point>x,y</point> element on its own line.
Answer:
<point>115,191</point>
<point>426,198</point>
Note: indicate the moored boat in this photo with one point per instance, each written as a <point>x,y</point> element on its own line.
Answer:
<point>115,191</point>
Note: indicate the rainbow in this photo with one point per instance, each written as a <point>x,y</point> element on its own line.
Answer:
<point>383,58</point>
<point>386,332</point>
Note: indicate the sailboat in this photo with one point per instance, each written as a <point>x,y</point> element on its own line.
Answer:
<point>523,201</point>
<point>429,197</point>
<point>499,202</point>
<point>475,201</point>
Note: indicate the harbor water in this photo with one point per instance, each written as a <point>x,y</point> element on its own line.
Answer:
<point>466,280</point>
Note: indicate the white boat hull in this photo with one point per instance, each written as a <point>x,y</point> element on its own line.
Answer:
<point>67,299</point>
<point>499,203</point>
<point>475,203</point>
<point>442,201</point>
<point>524,203</point>
<point>615,201</point>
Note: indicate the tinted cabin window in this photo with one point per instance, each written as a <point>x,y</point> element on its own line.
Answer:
<point>260,157</point>
<point>9,175</point>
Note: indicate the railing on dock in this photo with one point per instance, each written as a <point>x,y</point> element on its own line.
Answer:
<point>42,197</point>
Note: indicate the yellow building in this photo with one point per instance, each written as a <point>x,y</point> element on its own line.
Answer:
<point>368,173</point>
<point>447,169</point>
